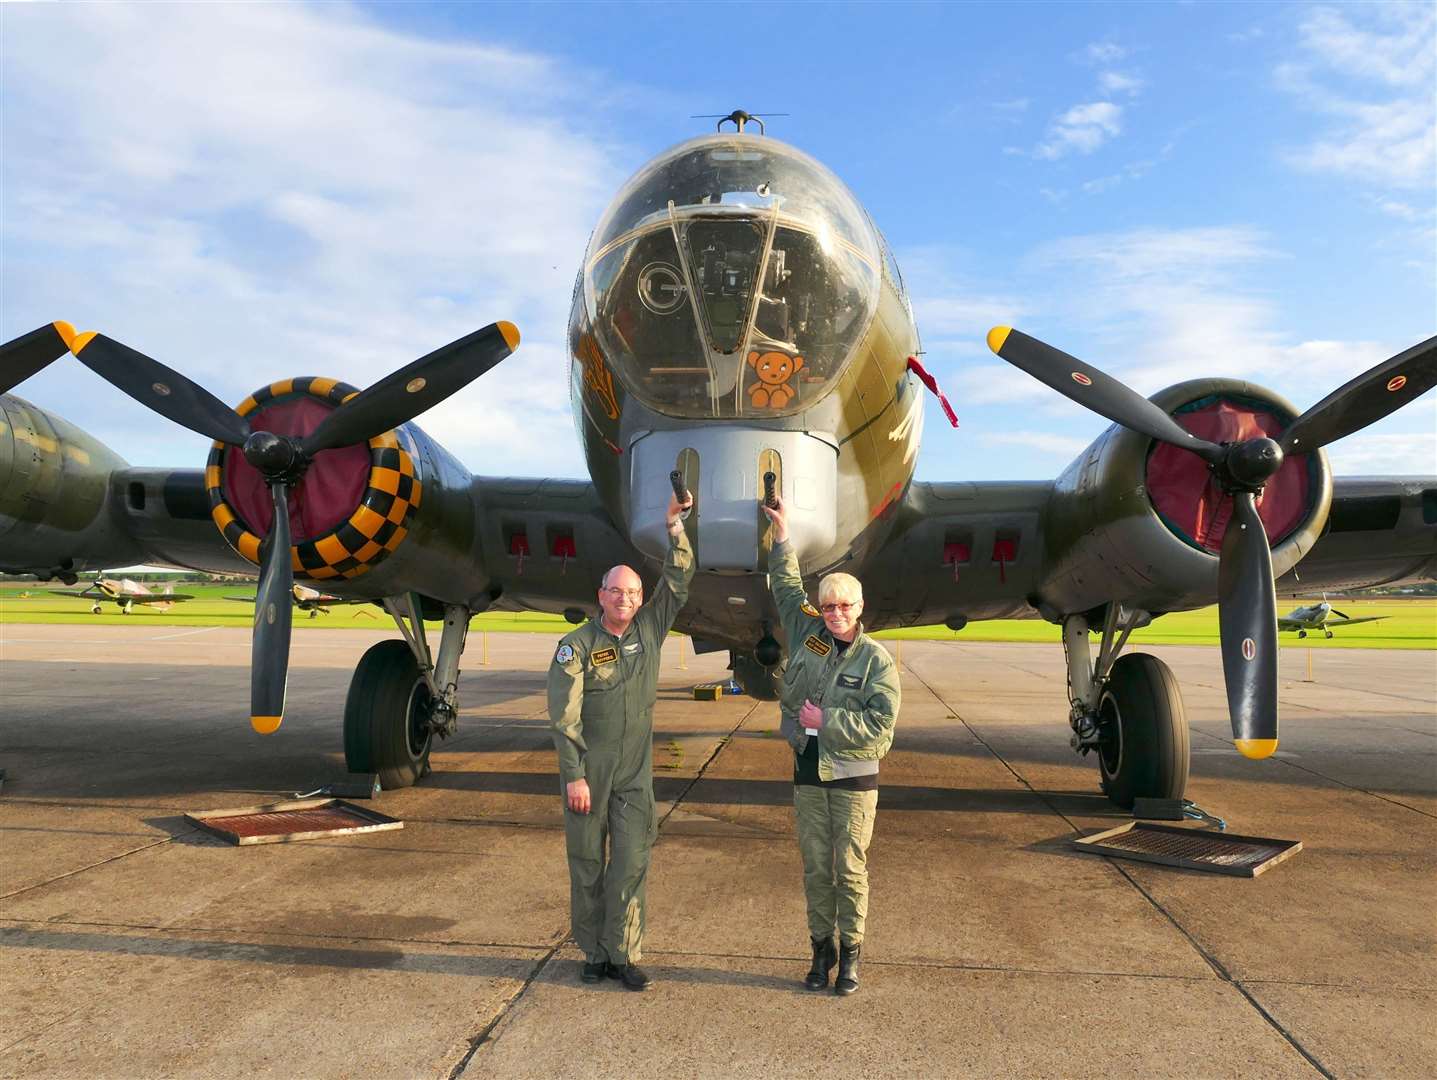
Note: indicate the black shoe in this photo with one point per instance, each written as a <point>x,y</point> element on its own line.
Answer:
<point>824,957</point>
<point>847,981</point>
<point>593,972</point>
<point>631,975</point>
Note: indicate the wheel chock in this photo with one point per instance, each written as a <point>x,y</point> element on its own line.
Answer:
<point>708,693</point>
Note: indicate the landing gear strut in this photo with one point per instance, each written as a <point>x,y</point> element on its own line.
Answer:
<point>1128,709</point>
<point>401,697</point>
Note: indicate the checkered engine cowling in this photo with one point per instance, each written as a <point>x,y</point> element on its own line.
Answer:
<point>350,510</point>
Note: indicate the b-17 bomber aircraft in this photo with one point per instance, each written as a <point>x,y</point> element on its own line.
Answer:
<point>738,316</point>
<point>1319,617</point>
<point>125,594</point>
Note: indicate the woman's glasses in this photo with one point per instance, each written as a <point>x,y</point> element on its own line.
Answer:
<point>829,609</point>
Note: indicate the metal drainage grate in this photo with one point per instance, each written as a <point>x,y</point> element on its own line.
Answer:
<point>1192,849</point>
<point>305,819</point>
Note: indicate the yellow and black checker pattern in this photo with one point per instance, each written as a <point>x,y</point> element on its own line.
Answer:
<point>376,528</point>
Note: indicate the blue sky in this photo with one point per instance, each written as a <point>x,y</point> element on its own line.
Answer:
<point>252,191</point>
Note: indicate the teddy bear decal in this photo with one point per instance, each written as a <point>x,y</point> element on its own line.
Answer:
<point>774,369</point>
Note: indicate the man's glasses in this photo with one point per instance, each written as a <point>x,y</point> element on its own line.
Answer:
<point>829,609</point>
<point>632,594</point>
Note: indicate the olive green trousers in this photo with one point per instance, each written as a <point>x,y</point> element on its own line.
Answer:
<point>834,828</point>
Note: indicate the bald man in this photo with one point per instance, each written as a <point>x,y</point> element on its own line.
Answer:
<point>602,686</point>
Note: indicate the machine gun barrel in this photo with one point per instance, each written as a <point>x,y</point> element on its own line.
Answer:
<point>681,491</point>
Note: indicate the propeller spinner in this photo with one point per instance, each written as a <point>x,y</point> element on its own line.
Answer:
<point>280,459</point>
<point>1247,601</point>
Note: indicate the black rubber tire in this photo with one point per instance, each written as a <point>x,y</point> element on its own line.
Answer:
<point>386,717</point>
<point>1148,755</point>
<point>758,682</point>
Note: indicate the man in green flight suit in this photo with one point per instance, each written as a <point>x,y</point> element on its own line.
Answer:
<point>602,686</point>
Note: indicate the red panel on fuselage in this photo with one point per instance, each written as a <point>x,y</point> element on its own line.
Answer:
<point>330,491</point>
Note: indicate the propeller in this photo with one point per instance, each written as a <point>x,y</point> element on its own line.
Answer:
<point>23,357</point>
<point>1247,602</point>
<point>280,459</point>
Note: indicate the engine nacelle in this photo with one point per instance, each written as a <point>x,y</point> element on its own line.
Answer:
<point>357,510</point>
<point>55,496</point>
<point>1142,522</point>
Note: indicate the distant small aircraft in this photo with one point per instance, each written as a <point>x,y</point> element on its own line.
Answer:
<point>306,599</point>
<point>1319,617</point>
<point>125,593</point>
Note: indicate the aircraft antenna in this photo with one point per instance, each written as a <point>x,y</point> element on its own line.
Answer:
<point>739,118</point>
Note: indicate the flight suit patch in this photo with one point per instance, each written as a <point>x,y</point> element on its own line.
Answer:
<point>604,656</point>
<point>816,644</point>
<point>853,682</point>
<point>633,648</point>
<point>565,654</point>
<point>809,610</point>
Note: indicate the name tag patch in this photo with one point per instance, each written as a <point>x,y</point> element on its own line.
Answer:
<point>604,656</point>
<point>816,644</point>
<point>853,682</point>
<point>809,610</point>
<point>633,647</point>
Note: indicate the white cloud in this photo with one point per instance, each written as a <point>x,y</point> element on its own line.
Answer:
<point>1104,52</point>
<point>1372,83</point>
<point>1082,129</point>
<point>1115,82</point>
<point>1403,453</point>
<point>319,196</point>
<point>1063,446</point>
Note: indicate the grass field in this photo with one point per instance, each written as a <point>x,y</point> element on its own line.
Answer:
<point>1408,624</point>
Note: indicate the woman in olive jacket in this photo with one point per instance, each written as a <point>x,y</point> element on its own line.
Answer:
<point>838,706</point>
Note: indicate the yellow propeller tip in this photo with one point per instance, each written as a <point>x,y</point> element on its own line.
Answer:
<point>66,332</point>
<point>997,336</point>
<point>265,725</point>
<point>511,334</point>
<point>78,342</point>
<point>1257,749</point>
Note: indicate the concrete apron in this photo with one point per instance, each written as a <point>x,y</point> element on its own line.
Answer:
<point>132,946</point>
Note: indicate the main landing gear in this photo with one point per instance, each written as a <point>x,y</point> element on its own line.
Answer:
<point>401,696</point>
<point>1128,709</point>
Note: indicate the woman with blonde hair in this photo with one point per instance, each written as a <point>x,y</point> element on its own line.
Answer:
<point>838,706</point>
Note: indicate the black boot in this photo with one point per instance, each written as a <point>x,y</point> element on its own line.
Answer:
<point>824,957</point>
<point>847,981</point>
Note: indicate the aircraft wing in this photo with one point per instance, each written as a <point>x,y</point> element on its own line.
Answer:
<point>1354,622</point>
<point>1291,624</point>
<point>158,598</point>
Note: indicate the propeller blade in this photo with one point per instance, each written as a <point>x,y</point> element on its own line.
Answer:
<point>269,647</point>
<point>1093,389</point>
<point>1366,399</point>
<point>1339,614</point>
<point>400,397</point>
<point>1247,621</point>
<point>162,389</point>
<point>29,353</point>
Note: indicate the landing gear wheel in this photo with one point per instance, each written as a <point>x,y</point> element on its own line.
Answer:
<point>386,716</point>
<point>1145,750</point>
<point>1302,633</point>
<point>1328,633</point>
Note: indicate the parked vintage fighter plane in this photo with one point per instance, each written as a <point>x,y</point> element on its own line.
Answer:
<point>125,594</point>
<point>1319,617</point>
<point>306,599</point>
<point>738,314</point>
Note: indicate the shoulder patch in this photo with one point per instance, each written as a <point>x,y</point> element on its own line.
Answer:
<point>815,644</point>
<point>853,682</point>
<point>565,654</point>
<point>809,610</point>
<point>604,656</point>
